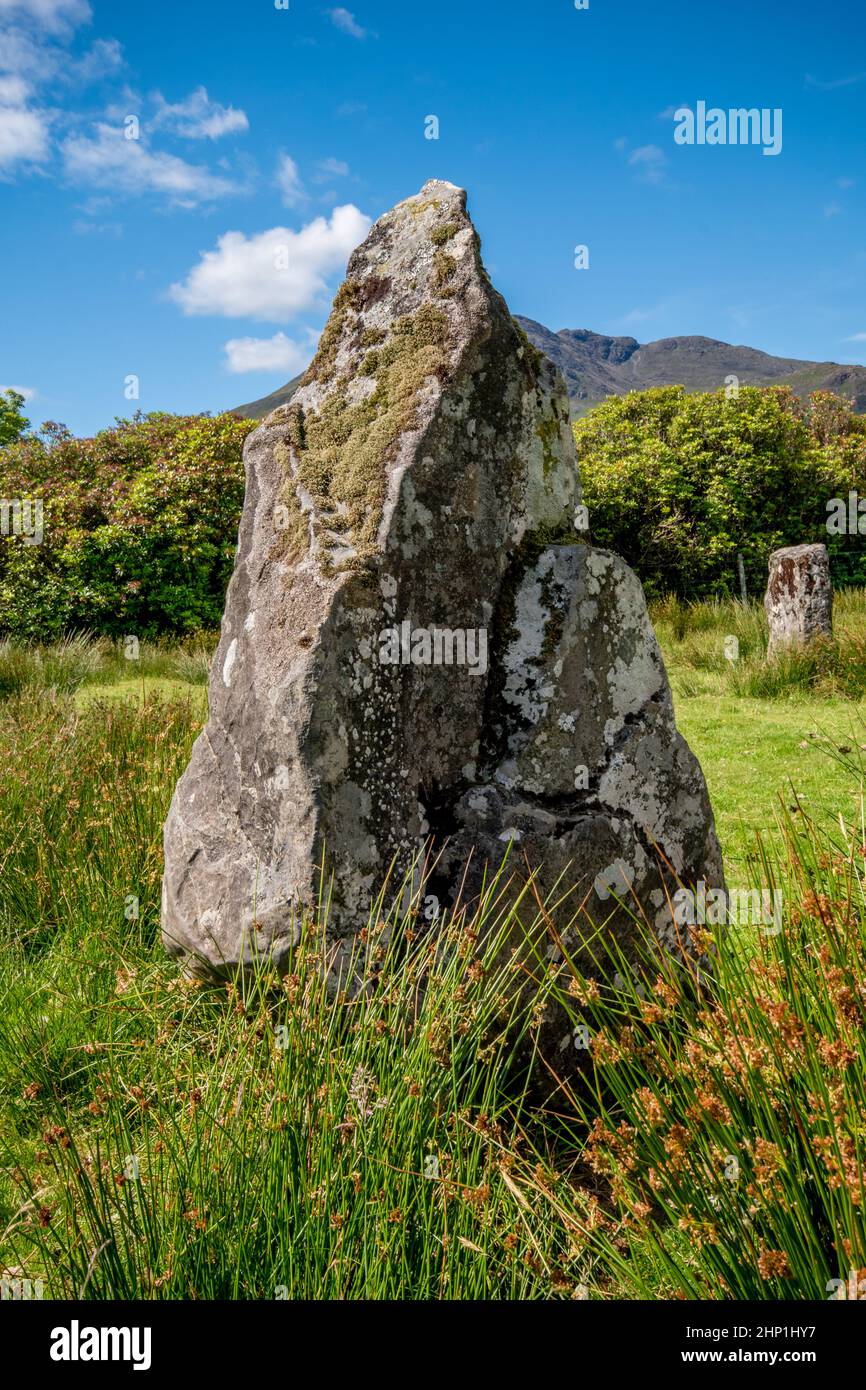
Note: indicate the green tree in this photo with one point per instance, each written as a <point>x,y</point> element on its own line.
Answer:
<point>679,484</point>
<point>140,526</point>
<point>13,422</point>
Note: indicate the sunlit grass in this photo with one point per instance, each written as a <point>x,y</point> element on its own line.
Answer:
<point>163,1139</point>
<point>82,660</point>
<point>720,648</point>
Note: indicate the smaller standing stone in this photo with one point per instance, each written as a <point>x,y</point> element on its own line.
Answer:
<point>799,598</point>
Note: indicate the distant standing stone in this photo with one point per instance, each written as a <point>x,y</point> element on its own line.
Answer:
<point>799,598</point>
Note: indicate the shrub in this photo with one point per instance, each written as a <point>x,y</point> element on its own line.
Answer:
<point>139,527</point>
<point>678,484</point>
<point>12,422</point>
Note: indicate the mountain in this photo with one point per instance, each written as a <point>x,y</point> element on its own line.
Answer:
<point>257,410</point>
<point>595,366</point>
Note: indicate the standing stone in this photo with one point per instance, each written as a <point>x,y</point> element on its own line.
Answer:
<point>799,598</point>
<point>417,644</point>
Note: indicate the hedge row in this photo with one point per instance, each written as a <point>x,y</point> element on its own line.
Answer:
<point>679,484</point>
<point>139,527</point>
<point>140,522</point>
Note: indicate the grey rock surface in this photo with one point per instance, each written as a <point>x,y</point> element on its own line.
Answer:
<point>799,597</point>
<point>417,642</point>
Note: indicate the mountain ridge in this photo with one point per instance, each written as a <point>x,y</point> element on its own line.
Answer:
<point>598,365</point>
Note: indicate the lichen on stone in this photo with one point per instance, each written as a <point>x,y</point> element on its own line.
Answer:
<point>427,451</point>
<point>291,526</point>
<point>417,207</point>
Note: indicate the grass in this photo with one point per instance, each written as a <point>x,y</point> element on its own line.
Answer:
<point>735,1115</point>
<point>146,1122</point>
<point>145,689</point>
<point>720,648</point>
<point>764,757</point>
<point>765,732</point>
<point>164,1140</point>
<point>80,661</point>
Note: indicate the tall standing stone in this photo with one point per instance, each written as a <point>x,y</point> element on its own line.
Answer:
<point>417,643</point>
<point>799,598</point>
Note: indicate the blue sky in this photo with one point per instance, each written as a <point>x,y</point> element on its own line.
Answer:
<point>201,256</point>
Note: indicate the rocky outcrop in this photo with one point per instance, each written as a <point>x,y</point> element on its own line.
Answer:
<point>417,642</point>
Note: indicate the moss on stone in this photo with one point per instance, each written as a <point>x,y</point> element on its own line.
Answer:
<point>547,430</point>
<point>440,235</point>
<point>324,363</point>
<point>427,328</point>
<point>371,337</point>
<point>345,449</point>
<point>444,267</point>
<point>291,525</point>
<point>294,426</point>
<point>532,356</point>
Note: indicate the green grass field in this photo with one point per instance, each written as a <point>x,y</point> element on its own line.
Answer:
<point>762,757</point>
<point>164,1140</point>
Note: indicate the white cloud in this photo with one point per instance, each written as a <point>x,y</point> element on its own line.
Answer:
<point>330,168</point>
<point>275,275</point>
<point>818,86</point>
<point>14,91</point>
<point>277,354</point>
<point>289,181</point>
<point>55,16</point>
<point>23,129</point>
<point>21,53</point>
<point>83,228</point>
<point>23,136</point>
<point>45,58</point>
<point>198,118</point>
<point>34,58</point>
<point>103,58</point>
<point>111,161</point>
<point>635,316</point>
<point>856,338</point>
<point>345,20</point>
<point>650,162</point>
<point>28,392</point>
